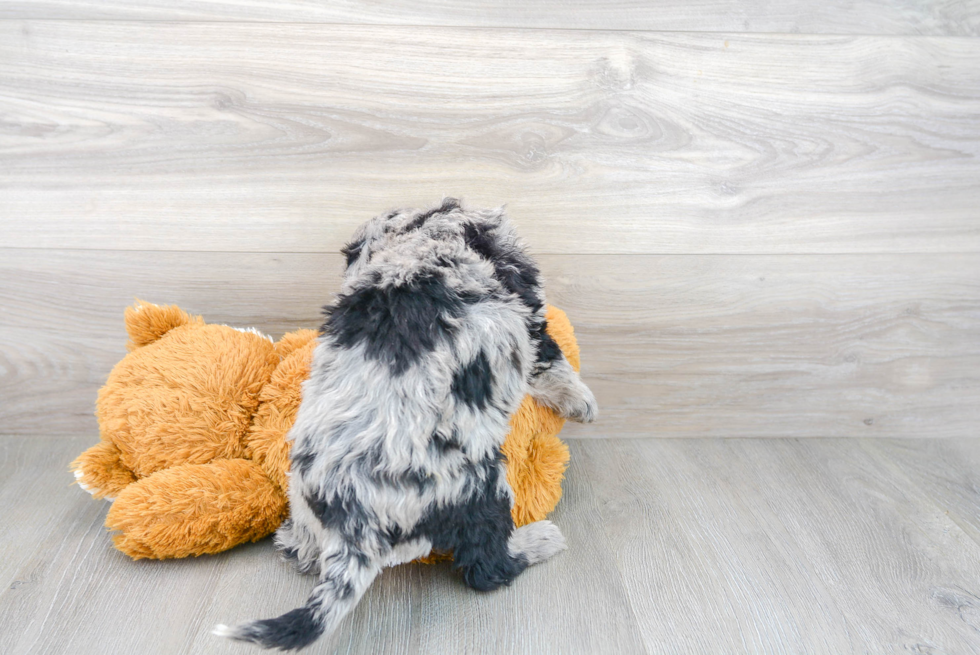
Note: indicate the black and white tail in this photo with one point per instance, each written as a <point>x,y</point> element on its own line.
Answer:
<point>344,579</point>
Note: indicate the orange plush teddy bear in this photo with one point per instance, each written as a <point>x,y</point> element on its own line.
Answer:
<point>193,423</point>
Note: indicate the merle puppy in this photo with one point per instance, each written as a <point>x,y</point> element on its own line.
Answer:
<point>436,336</point>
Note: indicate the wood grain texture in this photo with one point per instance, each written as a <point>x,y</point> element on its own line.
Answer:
<point>284,137</point>
<point>727,346</point>
<point>675,546</point>
<point>84,597</point>
<point>946,17</point>
<point>783,546</point>
<point>814,345</point>
<point>947,471</point>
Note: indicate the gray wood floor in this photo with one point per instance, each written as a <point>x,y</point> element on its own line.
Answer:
<point>675,546</point>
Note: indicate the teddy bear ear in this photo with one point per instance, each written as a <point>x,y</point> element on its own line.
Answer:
<point>146,322</point>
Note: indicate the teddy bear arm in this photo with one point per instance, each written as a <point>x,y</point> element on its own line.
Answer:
<point>196,509</point>
<point>100,471</point>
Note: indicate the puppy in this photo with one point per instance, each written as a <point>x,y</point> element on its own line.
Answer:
<point>436,336</point>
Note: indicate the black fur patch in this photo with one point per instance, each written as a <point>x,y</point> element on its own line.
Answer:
<point>476,530</point>
<point>421,481</point>
<point>448,205</point>
<point>513,269</point>
<point>398,324</point>
<point>515,359</point>
<point>302,461</point>
<point>372,467</point>
<point>442,445</point>
<point>548,348</point>
<point>345,590</point>
<point>293,630</point>
<point>473,384</point>
<point>411,478</point>
<point>393,535</point>
<point>342,513</point>
<point>518,274</point>
<point>352,251</point>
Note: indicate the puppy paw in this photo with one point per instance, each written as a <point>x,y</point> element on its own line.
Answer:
<point>560,388</point>
<point>582,407</point>
<point>537,542</point>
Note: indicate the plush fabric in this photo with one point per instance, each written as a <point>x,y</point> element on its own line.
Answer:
<point>193,426</point>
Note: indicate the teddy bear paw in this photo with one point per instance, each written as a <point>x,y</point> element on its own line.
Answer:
<point>89,489</point>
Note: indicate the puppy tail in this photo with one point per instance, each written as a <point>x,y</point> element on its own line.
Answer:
<point>293,630</point>
<point>348,577</point>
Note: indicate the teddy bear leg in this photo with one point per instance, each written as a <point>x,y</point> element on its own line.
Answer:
<point>196,509</point>
<point>100,472</point>
<point>535,474</point>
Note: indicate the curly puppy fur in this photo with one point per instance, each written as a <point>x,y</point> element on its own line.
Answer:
<point>436,336</point>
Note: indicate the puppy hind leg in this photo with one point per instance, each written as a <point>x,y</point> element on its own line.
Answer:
<point>491,561</point>
<point>487,563</point>
<point>488,549</point>
<point>346,573</point>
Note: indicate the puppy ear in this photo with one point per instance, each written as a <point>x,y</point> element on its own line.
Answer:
<point>146,322</point>
<point>352,251</point>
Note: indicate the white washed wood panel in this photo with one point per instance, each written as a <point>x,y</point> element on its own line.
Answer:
<point>945,17</point>
<point>284,137</point>
<point>814,345</point>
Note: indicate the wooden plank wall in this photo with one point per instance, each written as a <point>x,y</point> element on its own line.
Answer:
<point>756,232</point>
<point>937,18</point>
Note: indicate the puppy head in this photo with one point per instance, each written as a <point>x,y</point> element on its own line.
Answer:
<point>377,233</point>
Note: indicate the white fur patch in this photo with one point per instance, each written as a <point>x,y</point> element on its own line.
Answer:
<point>536,541</point>
<point>223,630</point>
<point>251,330</point>
<point>78,480</point>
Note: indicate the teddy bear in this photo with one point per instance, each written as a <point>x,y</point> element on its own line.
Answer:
<point>193,423</point>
